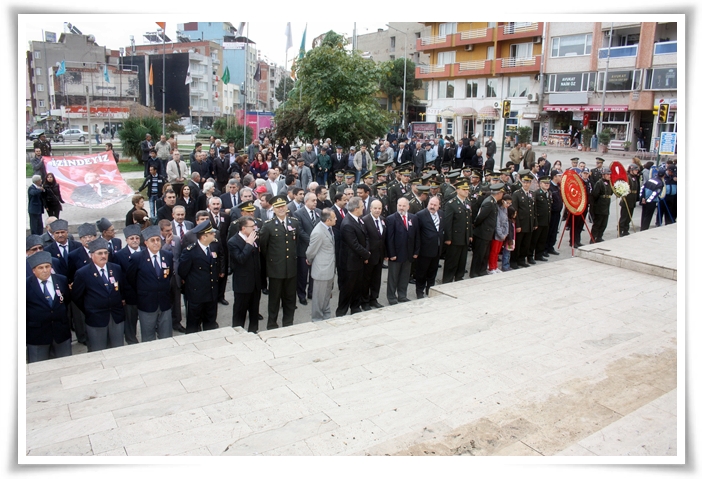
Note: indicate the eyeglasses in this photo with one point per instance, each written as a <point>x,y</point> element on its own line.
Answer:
<point>36,248</point>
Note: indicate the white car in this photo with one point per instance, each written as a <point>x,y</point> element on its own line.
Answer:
<point>71,134</point>
<point>191,130</point>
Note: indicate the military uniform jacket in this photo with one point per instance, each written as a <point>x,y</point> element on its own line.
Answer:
<point>335,188</point>
<point>395,192</point>
<point>386,202</point>
<point>279,247</point>
<point>415,206</point>
<point>47,322</point>
<point>458,226</point>
<point>601,197</point>
<point>97,301</point>
<point>486,219</point>
<point>199,272</point>
<point>542,204</point>
<point>595,175</point>
<point>632,198</point>
<point>524,205</point>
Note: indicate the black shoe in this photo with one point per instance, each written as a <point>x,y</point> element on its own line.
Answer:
<point>522,264</point>
<point>366,307</point>
<point>531,261</point>
<point>483,273</point>
<point>385,266</point>
<point>260,317</point>
<point>264,291</point>
<point>513,266</point>
<point>309,296</point>
<point>224,302</point>
<point>179,327</point>
<point>578,245</point>
<point>553,251</point>
<point>412,281</point>
<point>303,301</point>
<point>545,254</point>
<point>375,304</point>
<point>404,300</point>
<point>356,311</point>
<point>420,295</point>
<point>540,258</point>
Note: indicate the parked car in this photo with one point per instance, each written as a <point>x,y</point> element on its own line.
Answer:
<point>71,134</point>
<point>34,135</point>
<point>191,130</point>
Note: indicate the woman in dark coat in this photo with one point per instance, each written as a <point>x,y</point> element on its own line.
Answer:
<point>52,196</point>
<point>188,202</point>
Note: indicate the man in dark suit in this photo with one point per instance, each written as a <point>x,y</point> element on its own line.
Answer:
<point>308,216</point>
<point>146,147</point>
<point>402,246</point>
<point>48,297</point>
<point>338,161</point>
<point>61,246</point>
<point>150,273</point>
<point>419,158</point>
<point>399,189</point>
<point>132,234</point>
<point>220,222</point>
<point>93,192</point>
<point>431,237</point>
<point>556,207</point>
<point>245,195</point>
<point>220,168</point>
<point>542,210</point>
<point>107,231</point>
<point>376,232</point>
<point>96,290</point>
<point>525,223</point>
<point>353,256</point>
<point>246,279</point>
<point>278,237</point>
<point>198,272</point>
<point>484,230</point>
<point>36,206</point>
<point>179,224</point>
<point>403,155</point>
<point>340,211</point>
<point>460,155</point>
<point>231,198</point>
<point>166,211</point>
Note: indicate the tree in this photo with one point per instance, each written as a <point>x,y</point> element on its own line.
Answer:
<point>172,122</point>
<point>392,80</point>
<point>334,97</point>
<point>219,126</point>
<point>134,131</point>
<point>289,84</point>
<point>237,134</point>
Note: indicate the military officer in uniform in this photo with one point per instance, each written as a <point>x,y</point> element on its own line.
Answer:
<point>484,230</point>
<point>415,196</point>
<point>382,190</point>
<point>543,202</point>
<point>338,186</point>
<point>525,223</point>
<point>597,171</point>
<point>628,202</point>
<point>279,247</point>
<point>601,201</point>
<point>458,233</point>
<point>397,191</point>
<point>198,271</point>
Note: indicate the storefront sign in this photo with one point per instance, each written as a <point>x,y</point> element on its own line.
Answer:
<point>569,82</point>
<point>668,140</point>
<point>234,45</point>
<point>619,81</point>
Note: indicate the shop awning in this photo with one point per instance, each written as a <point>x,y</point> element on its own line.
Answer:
<point>585,108</point>
<point>447,113</point>
<point>465,111</point>
<point>488,113</point>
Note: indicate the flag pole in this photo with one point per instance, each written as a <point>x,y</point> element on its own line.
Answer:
<point>163,89</point>
<point>246,80</point>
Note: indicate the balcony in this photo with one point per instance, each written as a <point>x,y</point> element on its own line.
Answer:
<point>472,37</point>
<point>665,48</point>
<point>426,72</point>
<point>474,68</point>
<point>512,31</point>
<point>432,43</point>
<point>618,52</point>
<point>518,65</point>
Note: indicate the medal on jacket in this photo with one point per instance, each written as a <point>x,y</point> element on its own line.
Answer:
<point>115,283</point>
<point>58,293</point>
<point>166,270</point>
<point>214,255</point>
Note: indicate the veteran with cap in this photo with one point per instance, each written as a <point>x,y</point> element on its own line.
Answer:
<point>199,273</point>
<point>97,292</point>
<point>150,273</point>
<point>48,297</point>
<point>107,230</point>
<point>279,247</point>
<point>132,235</point>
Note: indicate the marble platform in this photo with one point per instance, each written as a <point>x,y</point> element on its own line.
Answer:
<point>574,358</point>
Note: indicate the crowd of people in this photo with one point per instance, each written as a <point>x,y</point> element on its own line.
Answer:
<point>292,225</point>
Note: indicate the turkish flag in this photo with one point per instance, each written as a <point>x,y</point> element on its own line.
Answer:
<point>586,119</point>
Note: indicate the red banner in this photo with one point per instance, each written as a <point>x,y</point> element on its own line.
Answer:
<point>89,181</point>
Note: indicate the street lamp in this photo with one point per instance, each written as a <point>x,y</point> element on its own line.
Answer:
<point>404,81</point>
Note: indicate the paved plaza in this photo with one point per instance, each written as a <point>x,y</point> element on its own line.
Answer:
<point>571,358</point>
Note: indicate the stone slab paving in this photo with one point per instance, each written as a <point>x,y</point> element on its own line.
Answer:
<point>576,357</point>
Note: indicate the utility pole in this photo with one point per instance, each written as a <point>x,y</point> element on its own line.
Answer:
<point>87,102</point>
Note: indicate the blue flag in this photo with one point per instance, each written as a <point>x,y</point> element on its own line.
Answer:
<point>107,77</point>
<point>61,69</point>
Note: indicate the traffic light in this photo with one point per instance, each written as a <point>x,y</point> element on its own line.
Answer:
<point>663,113</point>
<point>655,110</point>
<point>506,106</point>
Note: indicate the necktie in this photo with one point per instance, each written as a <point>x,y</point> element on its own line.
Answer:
<point>312,216</point>
<point>157,266</point>
<point>95,188</point>
<point>331,233</point>
<point>404,218</point>
<point>343,215</point>
<point>181,230</point>
<point>436,221</point>
<point>377,225</point>
<point>64,254</point>
<point>207,252</point>
<point>46,293</point>
<point>109,246</point>
<point>178,166</point>
<point>104,279</point>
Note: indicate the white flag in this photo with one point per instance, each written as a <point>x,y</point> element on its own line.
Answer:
<point>288,34</point>
<point>188,78</point>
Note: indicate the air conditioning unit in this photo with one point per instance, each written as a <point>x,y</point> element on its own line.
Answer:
<point>537,39</point>
<point>497,104</point>
<point>533,97</point>
<point>469,48</point>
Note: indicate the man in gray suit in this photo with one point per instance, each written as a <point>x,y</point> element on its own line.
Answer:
<point>320,256</point>
<point>179,224</point>
<point>308,215</point>
<point>171,242</point>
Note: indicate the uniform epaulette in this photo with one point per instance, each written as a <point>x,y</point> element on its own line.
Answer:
<point>268,221</point>
<point>190,246</point>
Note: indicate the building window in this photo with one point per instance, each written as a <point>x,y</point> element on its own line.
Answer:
<point>446,89</point>
<point>449,126</point>
<point>618,122</point>
<point>521,50</point>
<point>392,59</point>
<point>624,80</point>
<point>37,71</point>
<point>471,89</point>
<point>447,29</point>
<point>492,24</point>
<point>567,82</point>
<point>519,86</point>
<point>571,45</point>
<point>488,128</point>
<point>418,35</point>
<point>40,87</point>
<point>491,91</point>
<point>445,58</point>
<point>490,53</point>
<point>661,79</point>
<point>41,103</point>
<point>392,44</point>
<point>37,54</point>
